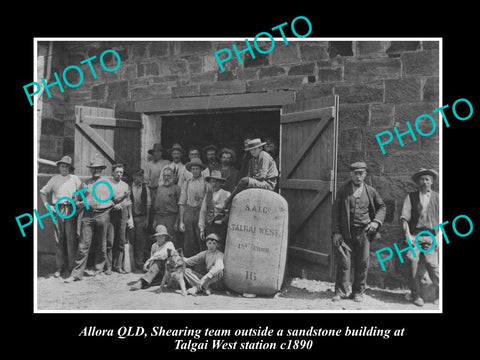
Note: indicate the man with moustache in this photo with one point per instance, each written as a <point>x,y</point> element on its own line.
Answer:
<point>357,214</point>
<point>229,173</point>
<point>210,155</point>
<point>193,152</point>
<point>420,212</point>
<point>176,152</point>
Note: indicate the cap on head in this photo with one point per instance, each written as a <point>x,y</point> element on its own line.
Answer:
<point>214,237</point>
<point>358,166</point>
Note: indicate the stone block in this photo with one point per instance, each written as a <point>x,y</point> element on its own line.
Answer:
<point>381,115</point>
<point>52,127</point>
<point>370,47</point>
<point>137,49</point>
<point>403,90</point>
<point>329,75</point>
<point>404,162</point>
<point>150,92</point>
<point>248,61</point>
<point>203,77</point>
<point>129,72</point>
<point>314,91</point>
<point>195,47</point>
<point>302,69</point>
<point>172,67</point>
<point>371,143</point>
<point>117,90</point>
<point>209,63</point>
<point>184,91</point>
<point>368,70</point>
<point>423,63</point>
<point>430,143</point>
<point>340,48</point>
<point>430,89</point>
<point>99,91</point>
<point>247,74</point>
<point>270,71</point>
<point>285,54</point>
<point>276,83</point>
<point>312,51</point>
<point>151,68</point>
<point>410,112</point>
<point>158,48</point>
<point>346,158</point>
<point>430,45</point>
<point>360,93</point>
<point>226,76</point>
<point>355,115</point>
<point>401,46</point>
<point>164,79</point>
<point>223,87</point>
<point>350,139</point>
<point>140,70</point>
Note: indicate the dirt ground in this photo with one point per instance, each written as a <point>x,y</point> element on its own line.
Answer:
<point>112,292</point>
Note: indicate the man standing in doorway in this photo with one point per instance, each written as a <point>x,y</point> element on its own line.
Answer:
<point>245,162</point>
<point>229,173</point>
<point>193,152</point>
<point>153,171</point>
<point>166,205</point>
<point>118,221</point>
<point>60,186</point>
<point>140,211</point>
<point>263,170</point>
<point>176,152</point>
<point>421,213</point>
<point>358,212</point>
<point>210,155</point>
<point>191,198</point>
<point>95,220</point>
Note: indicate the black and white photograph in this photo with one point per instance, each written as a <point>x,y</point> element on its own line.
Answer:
<point>290,174</point>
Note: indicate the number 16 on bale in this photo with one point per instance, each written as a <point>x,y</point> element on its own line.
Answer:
<point>250,275</point>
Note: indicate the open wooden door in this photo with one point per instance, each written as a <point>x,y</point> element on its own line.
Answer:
<point>308,132</point>
<point>101,131</point>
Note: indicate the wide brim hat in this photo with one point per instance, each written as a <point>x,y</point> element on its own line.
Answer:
<point>228,151</point>
<point>195,161</point>
<point>422,171</point>
<point>215,174</point>
<point>253,144</point>
<point>176,147</point>
<point>66,160</point>
<point>208,147</point>
<point>161,230</point>
<point>97,163</point>
<point>156,147</point>
<point>213,236</point>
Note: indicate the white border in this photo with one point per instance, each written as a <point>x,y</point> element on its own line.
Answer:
<point>35,167</point>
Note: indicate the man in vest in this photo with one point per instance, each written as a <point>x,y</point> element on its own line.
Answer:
<point>94,222</point>
<point>61,186</point>
<point>140,213</point>
<point>191,198</point>
<point>213,218</point>
<point>420,213</point>
<point>210,155</point>
<point>357,214</point>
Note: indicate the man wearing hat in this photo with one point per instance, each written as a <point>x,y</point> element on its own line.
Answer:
<point>420,212</point>
<point>210,156</point>
<point>154,168</point>
<point>59,186</point>
<point>263,171</point>
<point>155,265</point>
<point>191,198</point>
<point>176,152</point>
<point>94,221</point>
<point>357,214</point>
<point>213,218</point>
<point>212,261</point>
<point>193,152</point>
<point>231,175</point>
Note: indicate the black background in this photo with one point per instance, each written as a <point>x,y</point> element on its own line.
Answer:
<point>425,333</point>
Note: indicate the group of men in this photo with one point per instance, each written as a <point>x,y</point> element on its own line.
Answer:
<point>358,213</point>
<point>190,201</point>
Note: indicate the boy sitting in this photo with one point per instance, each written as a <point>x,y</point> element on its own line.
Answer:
<point>155,265</point>
<point>212,262</point>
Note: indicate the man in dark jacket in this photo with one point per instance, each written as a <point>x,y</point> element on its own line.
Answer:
<point>358,212</point>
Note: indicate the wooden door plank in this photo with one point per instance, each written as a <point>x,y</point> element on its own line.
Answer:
<point>302,184</point>
<point>306,115</point>
<point>317,131</point>
<point>317,200</point>
<point>112,122</point>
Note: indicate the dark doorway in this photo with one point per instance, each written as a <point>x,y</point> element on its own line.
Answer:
<point>224,129</point>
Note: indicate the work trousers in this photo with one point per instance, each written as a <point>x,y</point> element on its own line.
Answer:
<point>430,259</point>
<point>193,278</point>
<point>93,224</point>
<point>192,242</point>
<point>140,250</point>
<point>65,239</point>
<point>116,239</point>
<point>356,250</point>
<point>156,270</point>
